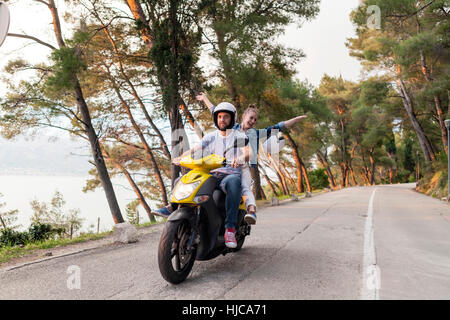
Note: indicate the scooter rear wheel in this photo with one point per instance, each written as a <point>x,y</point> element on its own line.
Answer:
<point>175,258</point>
<point>240,237</point>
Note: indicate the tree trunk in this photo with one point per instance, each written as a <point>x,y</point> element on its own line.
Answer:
<point>372,169</point>
<point>92,136</point>
<point>190,118</point>
<point>3,222</point>
<point>139,16</point>
<point>425,144</point>
<point>228,73</point>
<point>437,102</point>
<point>286,174</point>
<point>279,175</point>
<point>167,80</point>
<point>344,169</point>
<point>305,175</point>
<point>350,166</point>
<point>393,170</point>
<point>269,182</point>
<point>324,162</point>
<point>257,189</point>
<point>136,189</point>
<point>98,156</point>
<point>448,106</point>
<point>440,113</point>
<point>134,91</point>
<point>147,148</point>
<point>301,169</point>
<point>352,174</point>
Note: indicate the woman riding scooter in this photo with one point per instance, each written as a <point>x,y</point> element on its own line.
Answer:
<point>249,119</point>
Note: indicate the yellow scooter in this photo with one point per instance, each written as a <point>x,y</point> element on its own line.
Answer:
<point>195,231</point>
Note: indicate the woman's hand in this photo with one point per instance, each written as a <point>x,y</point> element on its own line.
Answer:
<point>176,161</point>
<point>289,123</point>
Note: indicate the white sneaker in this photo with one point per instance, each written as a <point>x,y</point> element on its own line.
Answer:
<point>250,218</point>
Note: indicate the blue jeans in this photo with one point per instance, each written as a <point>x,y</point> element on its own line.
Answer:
<point>231,185</point>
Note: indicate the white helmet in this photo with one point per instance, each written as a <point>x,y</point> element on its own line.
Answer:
<point>225,107</point>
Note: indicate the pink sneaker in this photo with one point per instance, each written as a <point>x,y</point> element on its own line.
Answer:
<point>230,238</point>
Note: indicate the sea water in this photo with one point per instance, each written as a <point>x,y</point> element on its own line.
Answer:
<point>19,190</point>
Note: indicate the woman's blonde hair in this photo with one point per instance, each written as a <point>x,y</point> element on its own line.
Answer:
<point>250,108</point>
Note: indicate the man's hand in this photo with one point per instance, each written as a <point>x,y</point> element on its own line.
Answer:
<point>235,163</point>
<point>239,162</point>
<point>201,96</point>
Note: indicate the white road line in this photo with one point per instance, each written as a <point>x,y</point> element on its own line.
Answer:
<point>371,272</point>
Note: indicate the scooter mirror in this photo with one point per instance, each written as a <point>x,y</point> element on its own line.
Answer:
<point>4,22</point>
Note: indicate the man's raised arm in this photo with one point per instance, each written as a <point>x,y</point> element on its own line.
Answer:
<point>202,97</point>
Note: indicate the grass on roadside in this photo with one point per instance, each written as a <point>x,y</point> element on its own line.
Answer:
<point>8,253</point>
<point>11,252</point>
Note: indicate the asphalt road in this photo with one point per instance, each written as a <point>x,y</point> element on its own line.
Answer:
<point>383,242</point>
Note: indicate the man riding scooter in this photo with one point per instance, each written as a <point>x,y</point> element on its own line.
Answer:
<point>223,142</point>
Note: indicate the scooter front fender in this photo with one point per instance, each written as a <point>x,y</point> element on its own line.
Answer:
<point>183,213</point>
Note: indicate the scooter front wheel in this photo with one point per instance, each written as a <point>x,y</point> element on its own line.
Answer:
<point>176,253</point>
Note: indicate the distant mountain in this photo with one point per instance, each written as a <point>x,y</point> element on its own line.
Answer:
<point>44,155</point>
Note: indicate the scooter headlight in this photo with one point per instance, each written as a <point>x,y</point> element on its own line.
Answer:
<point>183,191</point>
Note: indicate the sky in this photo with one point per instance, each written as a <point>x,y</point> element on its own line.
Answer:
<point>322,40</point>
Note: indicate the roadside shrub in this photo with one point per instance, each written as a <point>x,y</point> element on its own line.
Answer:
<point>318,179</point>
<point>36,232</point>
<point>10,237</point>
<point>403,176</point>
<point>42,231</point>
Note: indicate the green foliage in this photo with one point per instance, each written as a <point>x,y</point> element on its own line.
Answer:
<point>53,215</point>
<point>360,126</point>
<point>408,158</point>
<point>8,217</point>
<point>174,50</point>
<point>36,232</point>
<point>41,231</point>
<point>66,65</point>
<point>9,237</point>
<point>132,212</point>
<point>411,45</point>
<point>373,92</point>
<point>318,179</point>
